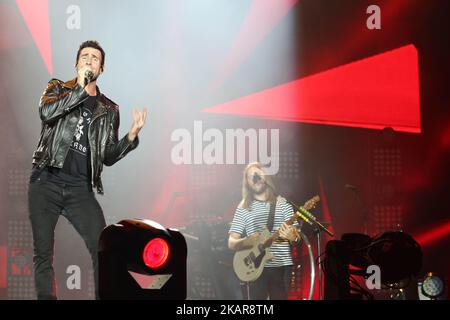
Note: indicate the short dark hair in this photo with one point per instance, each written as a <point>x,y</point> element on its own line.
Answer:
<point>91,44</point>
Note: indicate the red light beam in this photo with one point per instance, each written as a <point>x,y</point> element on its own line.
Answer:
<point>376,92</point>
<point>35,14</point>
<point>434,235</point>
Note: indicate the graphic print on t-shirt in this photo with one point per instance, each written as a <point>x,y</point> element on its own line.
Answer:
<point>80,141</point>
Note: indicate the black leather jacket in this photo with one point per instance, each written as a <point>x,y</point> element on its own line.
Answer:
<point>59,109</point>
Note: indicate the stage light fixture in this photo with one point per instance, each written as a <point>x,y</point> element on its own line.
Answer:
<point>432,287</point>
<point>142,260</point>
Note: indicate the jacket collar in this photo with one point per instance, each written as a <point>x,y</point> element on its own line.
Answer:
<point>101,105</point>
<point>72,83</point>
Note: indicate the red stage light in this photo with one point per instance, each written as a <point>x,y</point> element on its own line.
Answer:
<point>139,259</point>
<point>156,253</point>
<point>377,92</point>
<point>435,234</point>
<point>35,14</point>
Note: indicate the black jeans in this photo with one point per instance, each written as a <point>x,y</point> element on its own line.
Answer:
<point>271,284</point>
<point>46,202</point>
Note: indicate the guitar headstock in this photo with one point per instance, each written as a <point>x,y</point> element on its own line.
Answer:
<point>311,203</point>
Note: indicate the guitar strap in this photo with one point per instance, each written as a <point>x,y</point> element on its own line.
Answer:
<point>271,216</point>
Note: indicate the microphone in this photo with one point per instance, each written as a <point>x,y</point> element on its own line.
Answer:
<point>256,177</point>
<point>307,213</point>
<point>88,76</point>
<point>311,217</point>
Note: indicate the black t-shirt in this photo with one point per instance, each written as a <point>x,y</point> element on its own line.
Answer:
<point>76,170</point>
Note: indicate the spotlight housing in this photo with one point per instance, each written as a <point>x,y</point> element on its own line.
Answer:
<point>141,260</point>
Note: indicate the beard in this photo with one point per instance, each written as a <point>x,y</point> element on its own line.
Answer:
<point>95,77</point>
<point>259,191</point>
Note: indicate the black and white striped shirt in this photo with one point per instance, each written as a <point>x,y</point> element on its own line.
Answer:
<point>254,219</point>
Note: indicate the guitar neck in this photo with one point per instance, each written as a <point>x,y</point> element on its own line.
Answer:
<point>308,204</point>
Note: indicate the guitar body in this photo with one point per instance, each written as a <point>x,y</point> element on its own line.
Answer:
<point>249,264</point>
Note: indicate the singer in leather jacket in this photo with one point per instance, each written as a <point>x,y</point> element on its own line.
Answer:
<point>79,135</point>
<point>59,111</point>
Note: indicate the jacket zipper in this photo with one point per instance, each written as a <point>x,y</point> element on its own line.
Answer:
<point>90,151</point>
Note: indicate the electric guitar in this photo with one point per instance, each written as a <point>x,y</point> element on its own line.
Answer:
<point>248,264</point>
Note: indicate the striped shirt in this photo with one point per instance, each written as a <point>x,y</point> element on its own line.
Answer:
<point>246,222</point>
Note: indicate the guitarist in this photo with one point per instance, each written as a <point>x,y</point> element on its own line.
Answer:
<point>250,218</point>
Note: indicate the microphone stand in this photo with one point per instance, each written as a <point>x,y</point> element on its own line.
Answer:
<point>316,225</point>
<point>317,228</point>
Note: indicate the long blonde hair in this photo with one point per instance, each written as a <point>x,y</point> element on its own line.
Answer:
<point>247,194</point>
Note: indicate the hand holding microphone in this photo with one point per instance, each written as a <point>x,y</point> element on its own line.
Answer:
<point>88,76</point>
<point>85,76</point>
